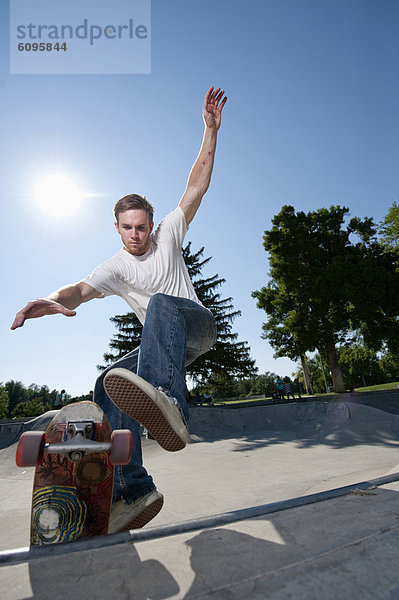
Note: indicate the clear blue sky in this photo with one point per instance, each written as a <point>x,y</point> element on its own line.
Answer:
<point>311,120</point>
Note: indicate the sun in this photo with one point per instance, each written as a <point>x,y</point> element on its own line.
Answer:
<point>58,196</point>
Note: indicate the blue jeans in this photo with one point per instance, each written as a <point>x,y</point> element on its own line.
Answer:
<point>176,331</point>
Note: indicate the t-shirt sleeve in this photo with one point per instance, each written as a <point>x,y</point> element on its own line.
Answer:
<point>103,279</point>
<point>173,227</point>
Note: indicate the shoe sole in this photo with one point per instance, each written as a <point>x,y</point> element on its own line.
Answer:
<point>145,516</point>
<point>131,400</point>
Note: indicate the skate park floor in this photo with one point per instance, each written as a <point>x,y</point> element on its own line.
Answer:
<point>296,500</point>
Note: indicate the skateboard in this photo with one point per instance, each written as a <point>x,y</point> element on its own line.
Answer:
<point>74,475</point>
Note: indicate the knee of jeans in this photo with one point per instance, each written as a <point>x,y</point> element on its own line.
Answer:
<point>215,334</point>
<point>207,344</point>
<point>99,386</point>
<point>209,339</point>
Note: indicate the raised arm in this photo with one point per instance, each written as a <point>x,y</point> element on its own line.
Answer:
<point>200,175</point>
<point>62,301</point>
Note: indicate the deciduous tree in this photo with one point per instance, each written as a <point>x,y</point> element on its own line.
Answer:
<point>389,228</point>
<point>326,279</point>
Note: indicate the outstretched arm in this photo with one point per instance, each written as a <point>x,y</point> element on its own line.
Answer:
<point>62,301</point>
<point>200,175</point>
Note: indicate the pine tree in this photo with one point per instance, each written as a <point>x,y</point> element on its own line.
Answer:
<point>227,359</point>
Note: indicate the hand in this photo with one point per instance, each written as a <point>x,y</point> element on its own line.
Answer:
<point>39,308</point>
<point>212,107</point>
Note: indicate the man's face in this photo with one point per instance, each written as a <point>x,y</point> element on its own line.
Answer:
<point>135,230</point>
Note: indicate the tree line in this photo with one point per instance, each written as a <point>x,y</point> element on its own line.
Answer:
<point>360,367</point>
<point>18,400</point>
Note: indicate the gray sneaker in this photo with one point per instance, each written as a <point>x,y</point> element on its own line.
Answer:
<point>150,406</point>
<point>135,515</point>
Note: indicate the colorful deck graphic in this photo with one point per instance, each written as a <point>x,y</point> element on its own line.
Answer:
<point>58,515</point>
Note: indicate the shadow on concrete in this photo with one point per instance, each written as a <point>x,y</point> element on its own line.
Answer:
<point>329,550</point>
<point>312,548</point>
<point>104,573</point>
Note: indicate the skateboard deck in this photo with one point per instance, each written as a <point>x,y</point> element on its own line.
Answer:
<point>74,476</point>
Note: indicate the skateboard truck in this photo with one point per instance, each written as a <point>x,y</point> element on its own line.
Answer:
<point>74,438</point>
<point>78,442</point>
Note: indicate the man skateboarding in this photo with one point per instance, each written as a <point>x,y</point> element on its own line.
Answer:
<point>147,386</point>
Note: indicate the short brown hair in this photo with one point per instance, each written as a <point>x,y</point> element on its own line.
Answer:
<point>133,202</point>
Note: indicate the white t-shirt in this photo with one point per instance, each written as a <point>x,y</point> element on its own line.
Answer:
<point>160,270</point>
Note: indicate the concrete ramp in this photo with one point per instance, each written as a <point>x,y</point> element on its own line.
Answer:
<point>342,423</point>
<point>10,431</point>
<point>261,463</point>
<point>40,423</point>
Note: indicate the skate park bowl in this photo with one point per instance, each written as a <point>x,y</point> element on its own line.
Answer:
<point>274,500</point>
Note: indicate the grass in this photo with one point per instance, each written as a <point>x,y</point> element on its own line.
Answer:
<point>382,386</point>
<point>248,400</point>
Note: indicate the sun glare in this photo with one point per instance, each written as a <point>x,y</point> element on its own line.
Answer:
<point>58,195</point>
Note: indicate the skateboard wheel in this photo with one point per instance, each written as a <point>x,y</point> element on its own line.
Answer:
<point>30,449</point>
<point>121,449</point>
